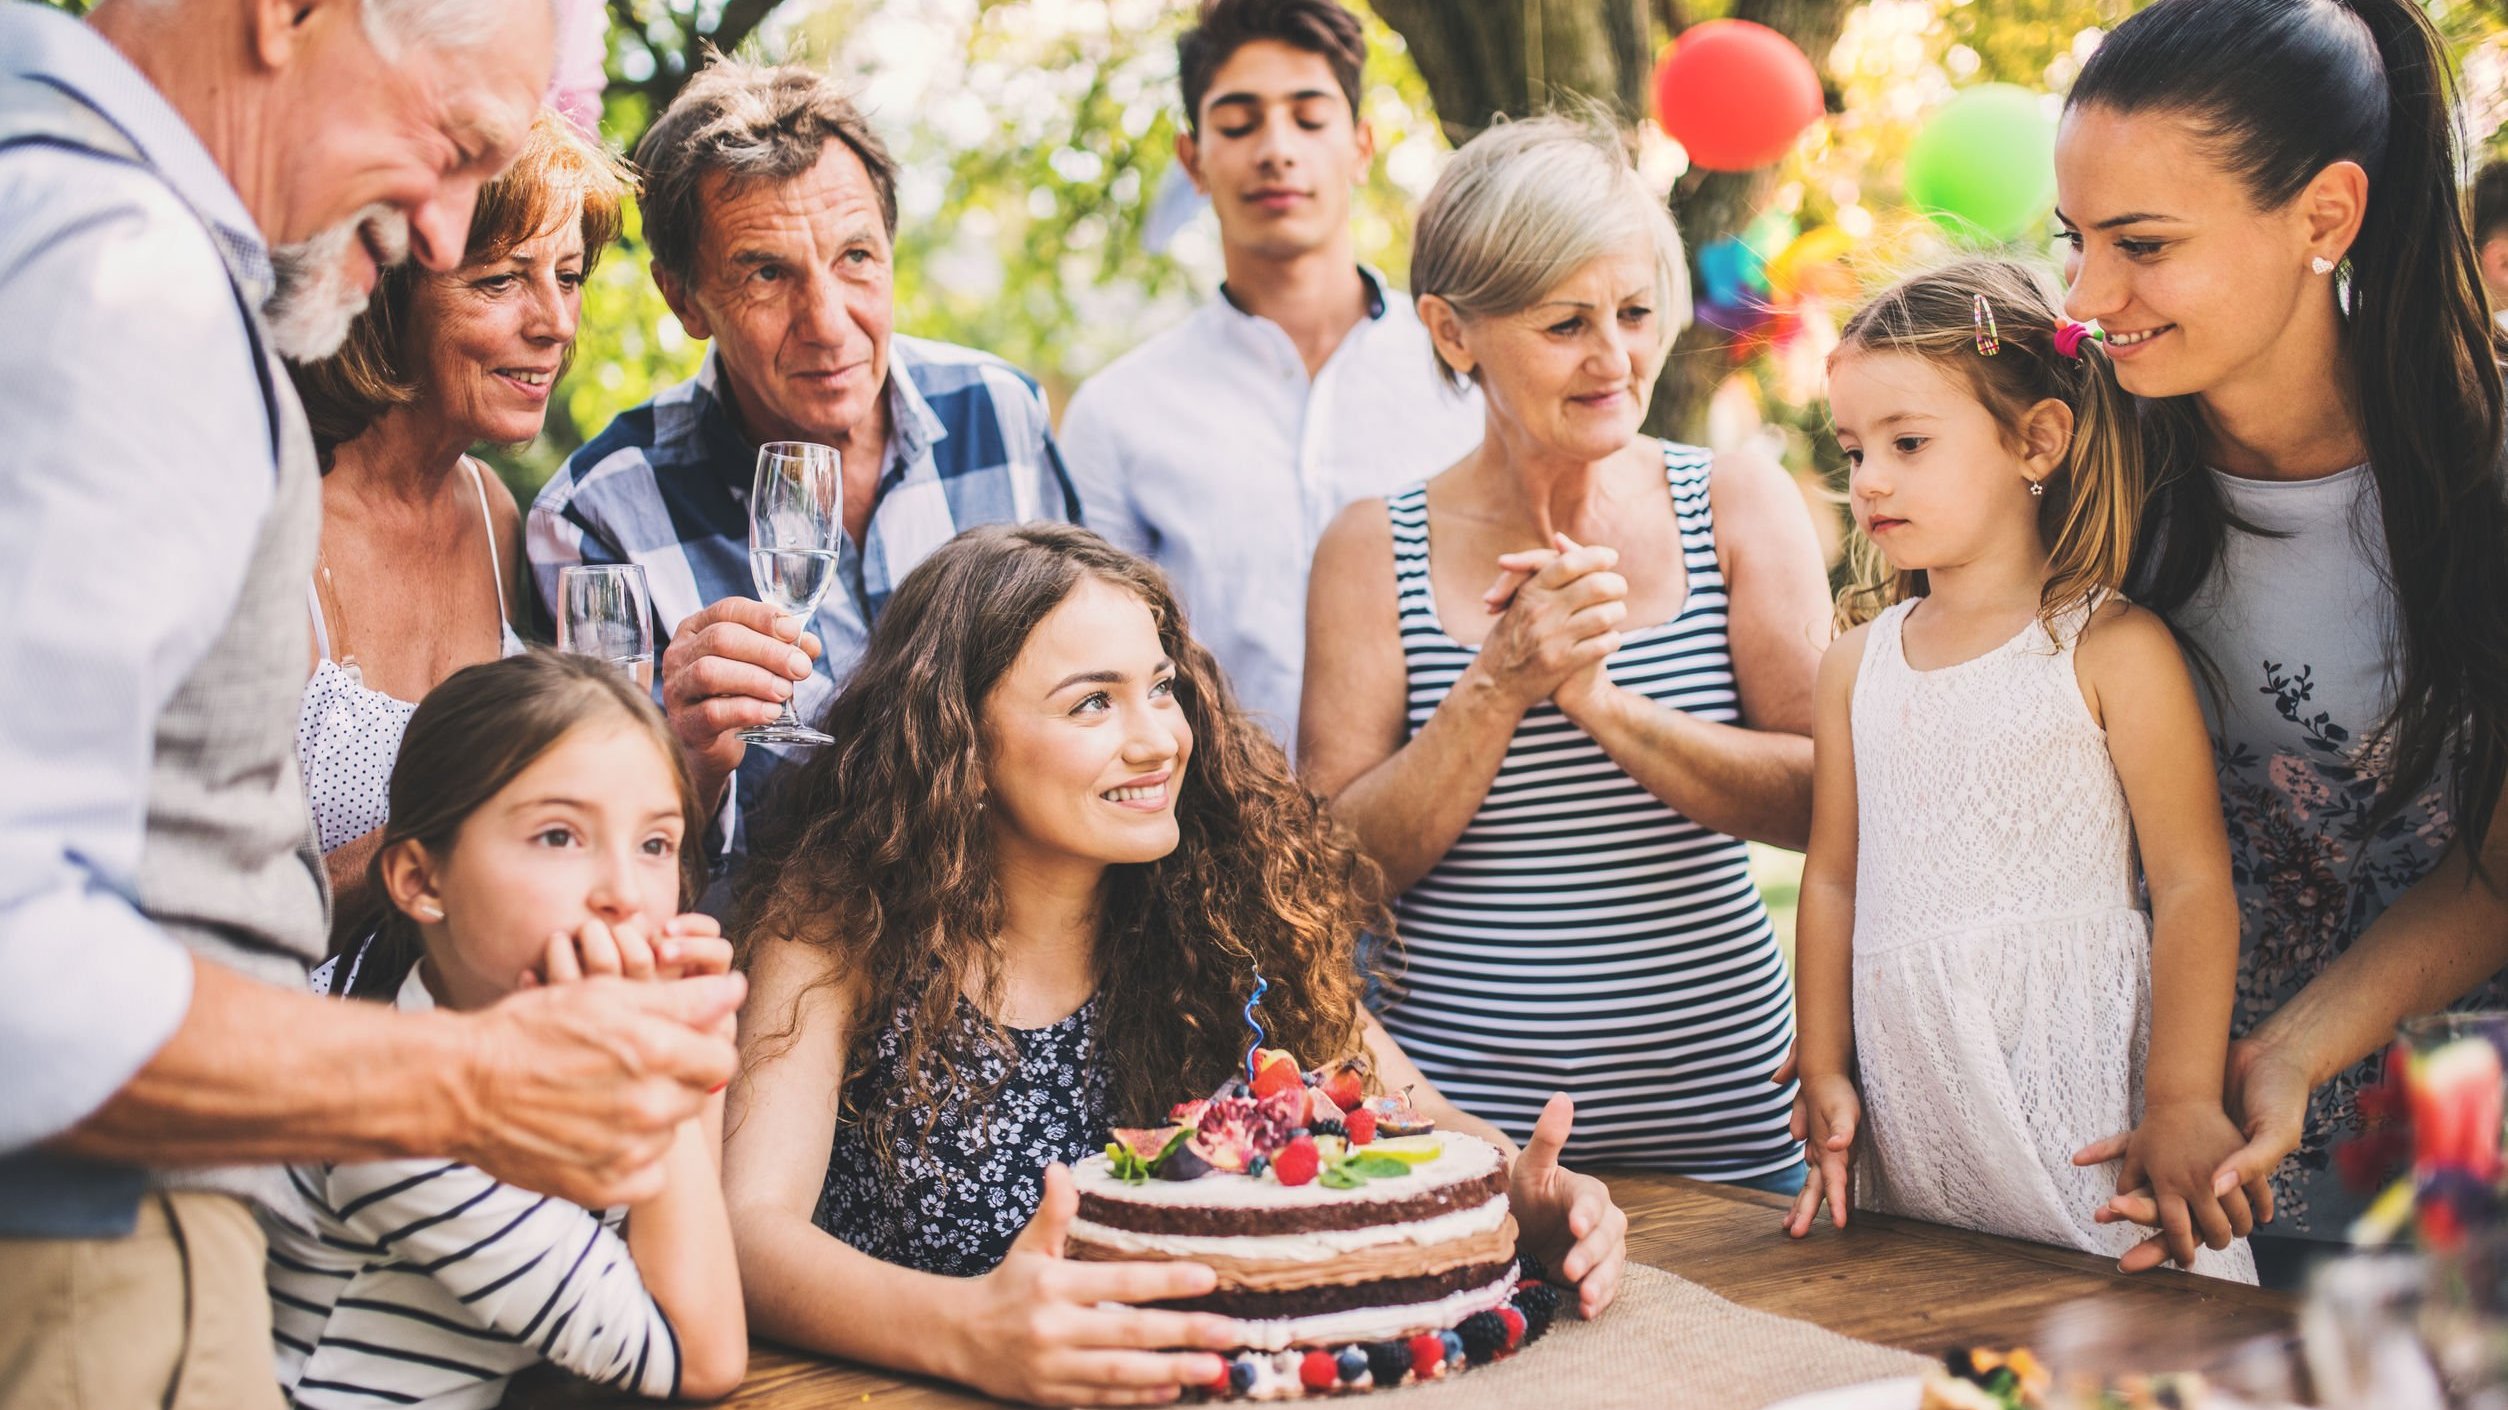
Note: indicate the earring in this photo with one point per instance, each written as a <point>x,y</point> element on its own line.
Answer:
<point>428,910</point>
<point>2036,489</point>
<point>2320,265</point>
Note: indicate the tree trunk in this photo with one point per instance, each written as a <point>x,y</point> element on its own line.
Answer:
<point>1480,59</point>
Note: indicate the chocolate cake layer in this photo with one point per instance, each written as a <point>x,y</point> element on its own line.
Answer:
<point>1228,1220</point>
<point>1309,1302</point>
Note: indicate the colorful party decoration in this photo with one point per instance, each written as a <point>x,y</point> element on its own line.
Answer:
<point>1808,266</point>
<point>1983,167</point>
<point>1735,94</point>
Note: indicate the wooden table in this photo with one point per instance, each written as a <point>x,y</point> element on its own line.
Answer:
<point>1899,1282</point>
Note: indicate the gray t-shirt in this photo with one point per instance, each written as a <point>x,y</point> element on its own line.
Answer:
<point>2299,659</point>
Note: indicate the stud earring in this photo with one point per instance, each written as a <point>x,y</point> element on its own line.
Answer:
<point>429,911</point>
<point>2320,265</point>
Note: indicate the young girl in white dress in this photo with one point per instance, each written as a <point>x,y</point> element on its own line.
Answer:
<point>2017,931</point>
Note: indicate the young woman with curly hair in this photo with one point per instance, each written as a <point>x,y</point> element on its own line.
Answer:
<point>1023,898</point>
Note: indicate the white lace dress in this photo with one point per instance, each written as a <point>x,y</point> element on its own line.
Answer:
<point>2002,951</point>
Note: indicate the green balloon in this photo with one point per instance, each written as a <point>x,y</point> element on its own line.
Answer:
<point>1984,166</point>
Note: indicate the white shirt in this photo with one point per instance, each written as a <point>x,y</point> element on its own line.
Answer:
<point>1209,450</point>
<point>134,474</point>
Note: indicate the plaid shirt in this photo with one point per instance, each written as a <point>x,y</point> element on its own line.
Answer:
<point>667,485</point>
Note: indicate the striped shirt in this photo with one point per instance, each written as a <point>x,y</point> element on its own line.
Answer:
<point>427,1282</point>
<point>1581,935</point>
<point>667,485</point>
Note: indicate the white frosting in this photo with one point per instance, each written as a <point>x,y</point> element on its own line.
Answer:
<point>1318,1246</point>
<point>1334,1329</point>
<point>1460,1158</point>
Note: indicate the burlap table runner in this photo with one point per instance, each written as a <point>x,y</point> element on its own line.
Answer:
<point>1665,1343</point>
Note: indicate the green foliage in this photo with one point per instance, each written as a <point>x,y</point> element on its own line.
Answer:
<point>1036,137</point>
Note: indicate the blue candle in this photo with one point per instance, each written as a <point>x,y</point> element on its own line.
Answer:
<point>1260,984</point>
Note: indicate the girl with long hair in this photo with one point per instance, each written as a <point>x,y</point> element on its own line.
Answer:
<point>1023,898</point>
<point>536,835</point>
<point>2004,752</point>
<point>2261,200</point>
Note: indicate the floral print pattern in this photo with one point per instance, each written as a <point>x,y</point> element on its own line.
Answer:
<point>957,1199</point>
<point>2311,876</point>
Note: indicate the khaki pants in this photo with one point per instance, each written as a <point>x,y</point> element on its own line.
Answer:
<point>177,1315</point>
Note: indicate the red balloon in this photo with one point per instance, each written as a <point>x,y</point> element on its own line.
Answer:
<point>1735,94</point>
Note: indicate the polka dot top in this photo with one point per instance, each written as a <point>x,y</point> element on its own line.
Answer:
<point>347,735</point>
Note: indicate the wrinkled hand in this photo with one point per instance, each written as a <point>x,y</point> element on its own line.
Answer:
<point>578,1089</point>
<point>2267,1098</point>
<point>1568,1219</point>
<point>1588,688</point>
<point>1829,1110</point>
<point>1558,613</point>
<point>1036,1328</point>
<point>728,668</point>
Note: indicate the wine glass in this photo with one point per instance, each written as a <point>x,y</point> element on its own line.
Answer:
<point>793,524</point>
<point>605,610</point>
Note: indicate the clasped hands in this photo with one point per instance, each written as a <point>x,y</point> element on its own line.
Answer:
<point>1559,611</point>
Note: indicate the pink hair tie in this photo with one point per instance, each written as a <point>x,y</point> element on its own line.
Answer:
<point>2069,337</point>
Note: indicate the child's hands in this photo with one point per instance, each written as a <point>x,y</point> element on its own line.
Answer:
<point>1831,1110</point>
<point>682,947</point>
<point>2178,1153</point>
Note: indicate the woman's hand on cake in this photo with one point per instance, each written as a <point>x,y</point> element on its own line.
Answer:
<point>1829,1109</point>
<point>1034,1328</point>
<point>1567,1219</point>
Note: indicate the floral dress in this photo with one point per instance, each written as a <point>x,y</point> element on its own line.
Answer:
<point>2295,642</point>
<point>957,1198</point>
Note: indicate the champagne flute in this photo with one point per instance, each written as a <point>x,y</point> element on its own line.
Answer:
<point>605,610</point>
<point>793,524</point>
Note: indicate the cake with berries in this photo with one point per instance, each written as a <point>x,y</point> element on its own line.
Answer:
<point>1358,1247</point>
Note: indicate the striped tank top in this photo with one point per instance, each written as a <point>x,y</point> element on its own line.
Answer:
<point>1581,935</point>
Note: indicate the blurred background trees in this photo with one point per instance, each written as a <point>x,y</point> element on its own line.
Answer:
<point>1043,218</point>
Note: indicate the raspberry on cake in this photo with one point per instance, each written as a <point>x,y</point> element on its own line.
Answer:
<point>1352,1265</point>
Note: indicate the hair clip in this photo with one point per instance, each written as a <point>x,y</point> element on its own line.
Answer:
<point>1989,338</point>
<point>2069,336</point>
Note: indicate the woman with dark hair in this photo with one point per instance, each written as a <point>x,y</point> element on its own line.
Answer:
<point>1023,898</point>
<point>2261,200</point>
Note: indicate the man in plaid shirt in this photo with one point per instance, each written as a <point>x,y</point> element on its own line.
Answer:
<point>772,212</point>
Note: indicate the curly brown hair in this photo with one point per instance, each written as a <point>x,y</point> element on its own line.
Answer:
<point>879,849</point>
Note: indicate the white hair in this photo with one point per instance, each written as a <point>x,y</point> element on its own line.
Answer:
<point>1525,205</point>
<point>313,302</point>
<point>397,27</point>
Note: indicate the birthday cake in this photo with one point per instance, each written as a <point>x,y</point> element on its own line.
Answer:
<point>1358,1247</point>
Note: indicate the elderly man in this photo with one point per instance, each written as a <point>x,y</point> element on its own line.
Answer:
<point>158,894</point>
<point>772,211</point>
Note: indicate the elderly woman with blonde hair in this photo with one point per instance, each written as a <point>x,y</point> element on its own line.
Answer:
<point>1554,686</point>
<point>421,570</point>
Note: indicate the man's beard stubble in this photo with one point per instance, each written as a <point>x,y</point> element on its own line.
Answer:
<point>314,301</point>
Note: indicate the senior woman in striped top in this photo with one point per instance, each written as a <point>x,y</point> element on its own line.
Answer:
<point>1554,727</point>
